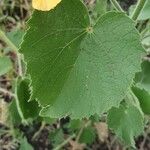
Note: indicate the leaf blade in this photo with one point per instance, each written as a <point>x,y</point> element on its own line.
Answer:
<point>127,122</point>
<point>106,55</point>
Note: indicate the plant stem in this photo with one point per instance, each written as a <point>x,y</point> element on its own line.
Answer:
<point>20,73</point>
<point>14,48</point>
<point>18,106</point>
<point>138,9</point>
<point>116,5</point>
<point>17,102</point>
<point>39,131</point>
<point>23,120</point>
<point>64,143</point>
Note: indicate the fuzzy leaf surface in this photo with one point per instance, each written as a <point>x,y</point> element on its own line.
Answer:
<point>126,122</point>
<point>76,69</point>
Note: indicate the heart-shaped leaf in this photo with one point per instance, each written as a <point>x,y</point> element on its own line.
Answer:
<point>78,69</point>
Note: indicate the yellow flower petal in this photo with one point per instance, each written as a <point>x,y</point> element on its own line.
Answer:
<point>45,5</point>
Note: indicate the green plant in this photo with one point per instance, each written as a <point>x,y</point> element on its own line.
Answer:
<point>78,65</point>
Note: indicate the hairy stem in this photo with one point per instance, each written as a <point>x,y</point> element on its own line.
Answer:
<point>20,73</point>
<point>116,5</point>
<point>5,39</point>
<point>138,9</point>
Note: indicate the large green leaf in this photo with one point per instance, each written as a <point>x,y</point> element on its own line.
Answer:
<point>127,122</point>
<point>76,69</point>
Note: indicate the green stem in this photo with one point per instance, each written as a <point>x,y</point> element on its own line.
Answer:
<point>138,9</point>
<point>18,106</point>
<point>64,143</point>
<point>7,41</point>
<point>116,5</point>
<point>4,38</point>
<point>17,103</point>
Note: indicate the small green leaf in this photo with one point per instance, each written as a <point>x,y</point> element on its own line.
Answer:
<point>146,40</point>
<point>126,122</point>
<point>145,14</point>
<point>5,65</point>
<point>142,87</point>
<point>88,135</point>
<point>142,78</point>
<point>56,137</point>
<point>75,125</point>
<point>100,7</point>
<point>15,36</point>
<point>78,69</point>
<point>28,109</point>
<point>144,99</point>
<point>14,116</point>
<point>24,145</point>
<point>97,8</point>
